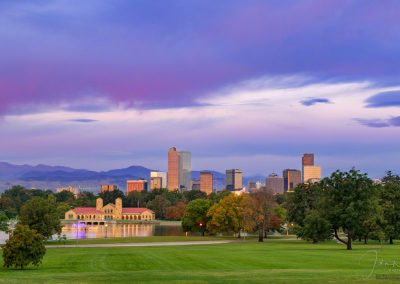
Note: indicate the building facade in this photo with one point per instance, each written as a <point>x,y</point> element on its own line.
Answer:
<point>110,212</point>
<point>162,176</point>
<point>108,187</point>
<point>307,159</point>
<point>155,183</point>
<point>275,183</point>
<point>195,184</point>
<point>179,170</point>
<point>206,182</point>
<point>136,185</point>
<point>173,169</point>
<point>311,174</point>
<point>291,179</point>
<point>234,179</point>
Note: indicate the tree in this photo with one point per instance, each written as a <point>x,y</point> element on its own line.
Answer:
<point>259,210</point>
<point>228,215</point>
<point>85,199</point>
<point>135,199</point>
<point>159,205</point>
<point>65,196</point>
<point>24,247</point>
<point>41,215</point>
<point>3,222</point>
<point>194,194</point>
<point>175,212</point>
<point>195,218</point>
<point>316,228</point>
<point>347,199</point>
<point>13,199</point>
<point>110,196</point>
<point>390,202</point>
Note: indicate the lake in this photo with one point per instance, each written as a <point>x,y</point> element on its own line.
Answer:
<point>72,231</point>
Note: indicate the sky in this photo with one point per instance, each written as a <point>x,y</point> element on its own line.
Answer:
<point>241,84</point>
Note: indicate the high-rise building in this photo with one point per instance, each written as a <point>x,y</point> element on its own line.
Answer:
<point>206,182</point>
<point>291,179</point>
<point>253,186</point>
<point>185,170</point>
<point>275,183</point>
<point>307,159</point>
<point>311,174</point>
<point>108,187</point>
<point>136,185</point>
<point>179,170</point>
<point>173,169</point>
<point>155,183</point>
<point>162,176</point>
<point>234,179</point>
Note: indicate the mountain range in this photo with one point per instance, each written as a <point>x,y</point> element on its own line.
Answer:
<point>50,177</point>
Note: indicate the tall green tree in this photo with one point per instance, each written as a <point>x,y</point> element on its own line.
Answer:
<point>159,205</point>
<point>41,215</point>
<point>347,199</point>
<point>110,196</point>
<point>3,222</point>
<point>390,202</point>
<point>315,228</point>
<point>24,247</point>
<point>195,217</point>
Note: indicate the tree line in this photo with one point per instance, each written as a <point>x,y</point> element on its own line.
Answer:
<point>346,206</point>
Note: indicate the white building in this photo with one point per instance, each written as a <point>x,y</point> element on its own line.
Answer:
<point>162,175</point>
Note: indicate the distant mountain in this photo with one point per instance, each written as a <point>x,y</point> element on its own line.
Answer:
<point>50,177</point>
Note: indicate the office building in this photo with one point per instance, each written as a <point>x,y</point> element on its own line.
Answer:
<point>155,183</point>
<point>173,169</point>
<point>185,170</point>
<point>179,170</point>
<point>162,176</point>
<point>307,159</point>
<point>291,179</point>
<point>195,184</point>
<point>206,182</point>
<point>275,183</point>
<point>234,179</point>
<point>136,185</point>
<point>311,174</point>
<point>108,187</point>
<point>253,186</point>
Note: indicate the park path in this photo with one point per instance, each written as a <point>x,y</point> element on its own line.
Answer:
<point>155,244</point>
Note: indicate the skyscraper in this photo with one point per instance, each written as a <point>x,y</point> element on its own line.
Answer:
<point>307,159</point>
<point>185,170</point>
<point>206,182</point>
<point>275,183</point>
<point>179,170</point>
<point>291,178</point>
<point>173,169</point>
<point>310,172</point>
<point>162,176</point>
<point>234,179</point>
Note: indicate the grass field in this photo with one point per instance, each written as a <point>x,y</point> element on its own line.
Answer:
<point>275,261</point>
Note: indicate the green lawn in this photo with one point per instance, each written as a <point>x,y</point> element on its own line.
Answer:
<point>276,261</point>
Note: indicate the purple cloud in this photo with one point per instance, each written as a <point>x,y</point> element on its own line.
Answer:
<point>384,99</point>
<point>313,101</point>
<point>83,120</point>
<point>159,54</point>
<point>380,123</point>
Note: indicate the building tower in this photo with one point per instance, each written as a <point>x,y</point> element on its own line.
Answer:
<point>275,183</point>
<point>173,169</point>
<point>310,172</point>
<point>291,179</point>
<point>206,182</point>
<point>185,170</point>
<point>234,179</point>
<point>99,204</point>
<point>118,206</point>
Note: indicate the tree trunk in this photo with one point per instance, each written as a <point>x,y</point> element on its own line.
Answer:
<point>239,236</point>
<point>339,239</point>
<point>349,247</point>
<point>202,233</point>
<point>260,235</point>
<point>391,240</point>
<point>359,239</point>
<point>365,240</point>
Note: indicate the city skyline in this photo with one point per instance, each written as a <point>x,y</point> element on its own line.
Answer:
<point>100,86</point>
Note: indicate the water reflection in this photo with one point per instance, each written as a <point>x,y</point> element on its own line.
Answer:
<point>120,231</point>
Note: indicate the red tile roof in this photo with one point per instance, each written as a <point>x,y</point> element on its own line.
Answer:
<point>86,210</point>
<point>131,210</point>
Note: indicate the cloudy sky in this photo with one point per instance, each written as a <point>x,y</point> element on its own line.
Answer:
<point>245,84</point>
